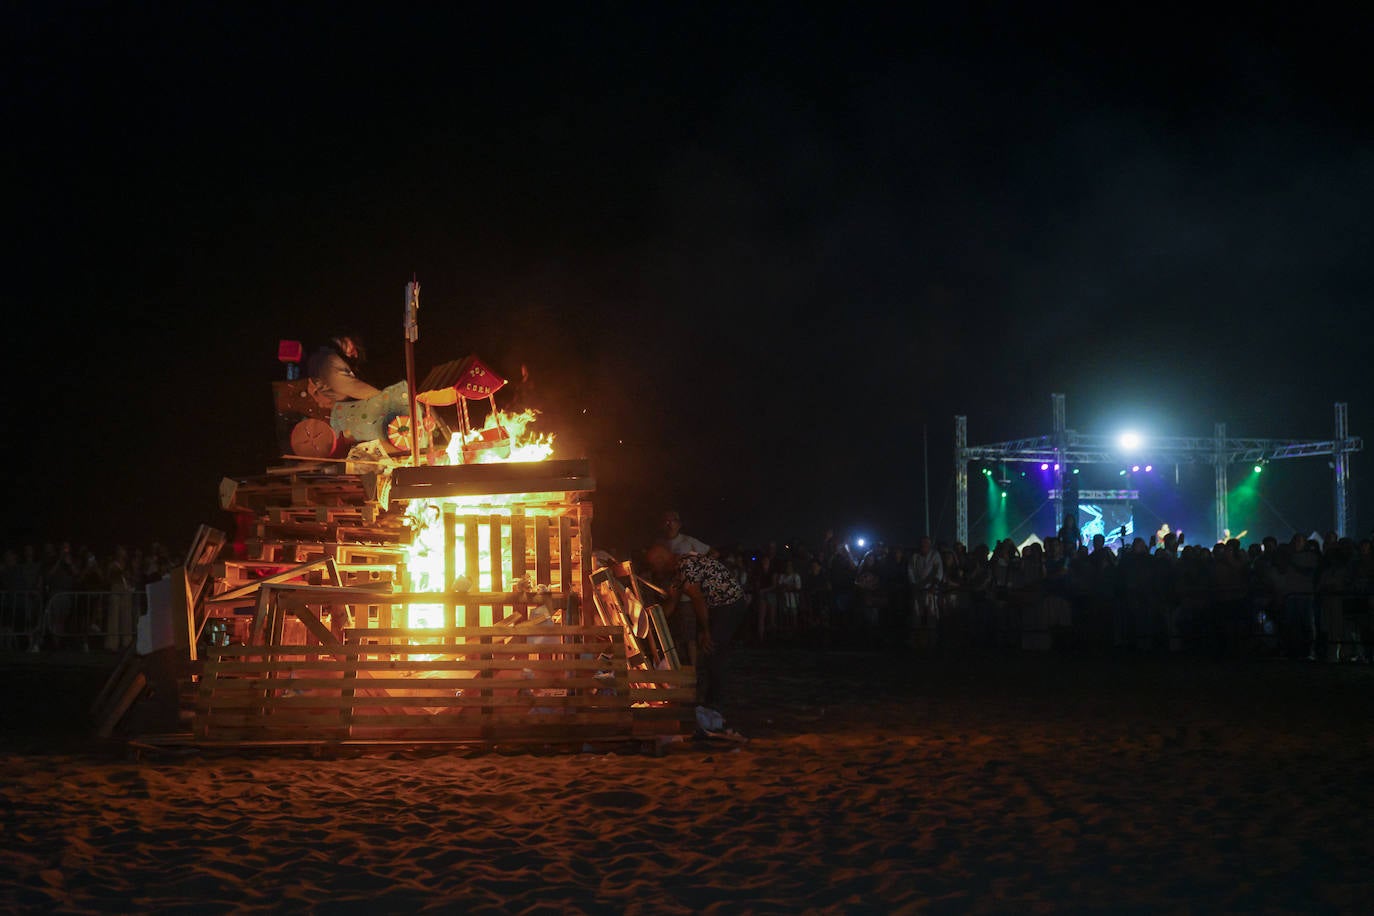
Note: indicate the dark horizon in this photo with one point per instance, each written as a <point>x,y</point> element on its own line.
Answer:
<point>747,256</point>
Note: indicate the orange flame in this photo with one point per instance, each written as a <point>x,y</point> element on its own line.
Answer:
<point>425,556</point>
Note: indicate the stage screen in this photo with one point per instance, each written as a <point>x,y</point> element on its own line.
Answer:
<point>1106,519</point>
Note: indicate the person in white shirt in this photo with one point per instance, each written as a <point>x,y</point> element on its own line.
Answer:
<point>925,572</point>
<point>679,543</point>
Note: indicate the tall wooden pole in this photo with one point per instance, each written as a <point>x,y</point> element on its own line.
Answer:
<point>412,329</point>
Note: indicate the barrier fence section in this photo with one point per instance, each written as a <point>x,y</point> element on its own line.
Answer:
<point>81,621</point>
<point>1334,624</point>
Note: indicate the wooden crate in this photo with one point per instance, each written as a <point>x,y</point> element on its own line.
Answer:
<point>529,683</point>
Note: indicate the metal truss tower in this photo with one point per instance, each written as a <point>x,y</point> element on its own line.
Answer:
<point>1066,447</point>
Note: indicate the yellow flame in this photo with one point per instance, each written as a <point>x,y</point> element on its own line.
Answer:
<point>425,557</point>
<point>523,445</point>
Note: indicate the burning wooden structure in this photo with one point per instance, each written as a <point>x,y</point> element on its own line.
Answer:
<point>389,587</point>
<point>444,603</point>
<point>453,604</point>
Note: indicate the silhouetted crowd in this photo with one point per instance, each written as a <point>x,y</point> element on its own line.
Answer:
<point>58,596</point>
<point>60,567</point>
<point>1303,598</point>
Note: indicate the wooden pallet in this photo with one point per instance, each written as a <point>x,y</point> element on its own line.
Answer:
<point>290,550</point>
<point>386,531</point>
<point>530,683</point>
<point>359,515</point>
<point>300,488</point>
<point>231,574</point>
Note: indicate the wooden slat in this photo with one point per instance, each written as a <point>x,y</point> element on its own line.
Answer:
<point>584,550</point>
<point>514,672</point>
<point>566,566</point>
<point>243,700</point>
<point>328,719</point>
<point>518,521</point>
<point>554,476</point>
<point>472,566</point>
<point>543,574</point>
<point>520,629</point>
<point>249,682</point>
<point>377,690</point>
<point>494,549</point>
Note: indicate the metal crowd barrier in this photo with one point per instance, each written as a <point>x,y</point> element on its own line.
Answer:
<point>1330,623</point>
<point>83,621</point>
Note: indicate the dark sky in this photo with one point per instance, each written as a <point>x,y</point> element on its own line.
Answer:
<point>762,247</point>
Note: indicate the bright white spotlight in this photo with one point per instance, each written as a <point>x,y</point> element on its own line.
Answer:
<point>1135,469</point>
<point>860,542</point>
<point>1149,468</point>
<point>1129,441</point>
<point>1046,467</point>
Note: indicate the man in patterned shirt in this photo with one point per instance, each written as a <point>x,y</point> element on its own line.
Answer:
<point>717,600</point>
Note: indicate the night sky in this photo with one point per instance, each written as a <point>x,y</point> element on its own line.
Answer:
<point>748,253</point>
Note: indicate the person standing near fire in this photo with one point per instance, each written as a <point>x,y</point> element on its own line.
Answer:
<point>716,599</point>
<point>681,619</point>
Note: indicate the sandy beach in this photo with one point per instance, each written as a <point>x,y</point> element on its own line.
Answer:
<point>872,782</point>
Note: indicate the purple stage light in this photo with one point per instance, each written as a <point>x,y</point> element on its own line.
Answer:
<point>1046,467</point>
<point>1135,468</point>
<point>1149,468</point>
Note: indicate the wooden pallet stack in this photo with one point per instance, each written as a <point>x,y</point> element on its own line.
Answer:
<point>324,632</point>
<point>518,684</point>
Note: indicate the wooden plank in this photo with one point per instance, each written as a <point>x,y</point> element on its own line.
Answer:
<point>582,702</point>
<point>524,629</point>
<point>584,548</point>
<point>344,683</point>
<point>663,636</point>
<point>494,549</point>
<point>451,565</point>
<point>543,575</point>
<point>115,683</point>
<point>327,718</point>
<point>515,673</point>
<point>566,567</point>
<point>457,733</point>
<point>121,702</point>
<point>518,522</point>
<point>428,664</point>
<point>253,587</point>
<point>472,568</point>
<point>313,625</point>
<point>553,476</point>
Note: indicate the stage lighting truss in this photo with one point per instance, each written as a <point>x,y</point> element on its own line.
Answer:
<point>1068,448</point>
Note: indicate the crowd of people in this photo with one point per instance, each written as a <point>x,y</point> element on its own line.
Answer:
<point>58,594</point>
<point>1302,597</point>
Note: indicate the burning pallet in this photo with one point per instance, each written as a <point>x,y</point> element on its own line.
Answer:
<point>362,601</point>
